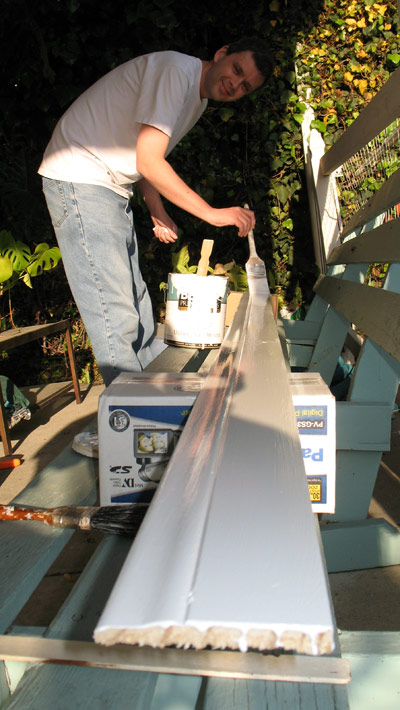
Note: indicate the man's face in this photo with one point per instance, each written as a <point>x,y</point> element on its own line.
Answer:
<point>228,77</point>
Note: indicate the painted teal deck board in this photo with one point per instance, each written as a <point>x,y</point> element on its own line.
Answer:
<point>80,612</point>
<point>51,687</point>
<point>28,549</point>
<point>365,544</point>
<point>375,663</point>
<point>224,694</point>
<point>174,692</point>
<point>363,426</point>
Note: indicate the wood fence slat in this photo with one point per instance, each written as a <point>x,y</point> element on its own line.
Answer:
<point>377,246</point>
<point>374,311</point>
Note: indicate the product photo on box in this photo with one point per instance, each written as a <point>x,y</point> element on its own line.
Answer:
<point>140,419</point>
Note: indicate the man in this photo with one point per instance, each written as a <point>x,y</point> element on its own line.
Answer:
<point>117,133</point>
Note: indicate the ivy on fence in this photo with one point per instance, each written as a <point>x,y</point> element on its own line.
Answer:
<point>248,152</point>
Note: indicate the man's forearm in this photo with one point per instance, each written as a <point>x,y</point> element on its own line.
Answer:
<point>151,197</point>
<point>160,178</point>
<point>151,148</point>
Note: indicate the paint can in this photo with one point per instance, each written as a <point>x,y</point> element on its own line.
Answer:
<point>195,310</point>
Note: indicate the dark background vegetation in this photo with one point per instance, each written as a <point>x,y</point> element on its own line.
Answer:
<point>248,152</point>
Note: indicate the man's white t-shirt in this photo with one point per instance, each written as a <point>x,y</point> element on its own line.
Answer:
<point>95,140</point>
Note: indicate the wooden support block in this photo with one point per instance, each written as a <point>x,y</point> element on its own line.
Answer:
<point>360,545</point>
<point>275,305</point>
<point>221,664</point>
<point>232,303</point>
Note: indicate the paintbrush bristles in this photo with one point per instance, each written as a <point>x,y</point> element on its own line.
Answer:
<point>124,521</point>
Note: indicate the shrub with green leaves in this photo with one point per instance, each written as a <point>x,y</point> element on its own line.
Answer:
<point>181,265</point>
<point>18,263</point>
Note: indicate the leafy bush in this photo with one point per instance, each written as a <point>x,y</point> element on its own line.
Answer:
<point>18,263</point>
<point>346,58</point>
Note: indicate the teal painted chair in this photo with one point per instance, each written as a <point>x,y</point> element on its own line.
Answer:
<point>348,311</point>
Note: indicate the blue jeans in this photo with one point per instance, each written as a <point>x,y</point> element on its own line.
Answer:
<point>96,235</point>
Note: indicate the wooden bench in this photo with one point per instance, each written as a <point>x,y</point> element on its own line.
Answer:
<point>15,337</point>
<point>37,680</point>
<point>190,680</point>
<point>348,311</point>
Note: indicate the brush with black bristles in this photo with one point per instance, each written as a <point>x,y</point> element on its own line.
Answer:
<point>115,519</point>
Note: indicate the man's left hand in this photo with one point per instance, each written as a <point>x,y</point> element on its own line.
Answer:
<point>166,231</point>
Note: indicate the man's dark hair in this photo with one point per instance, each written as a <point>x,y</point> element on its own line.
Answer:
<point>258,47</point>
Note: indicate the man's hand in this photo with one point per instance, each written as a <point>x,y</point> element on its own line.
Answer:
<point>165,231</point>
<point>239,217</point>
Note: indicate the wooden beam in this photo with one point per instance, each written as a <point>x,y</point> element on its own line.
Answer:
<point>14,337</point>
<point>221,664</point>
<point>374,311</point>
<point>380,245</point>
<point>229,552</point>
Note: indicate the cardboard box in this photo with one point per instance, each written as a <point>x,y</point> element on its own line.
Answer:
<point>140,418</point>
<point>315,408</point>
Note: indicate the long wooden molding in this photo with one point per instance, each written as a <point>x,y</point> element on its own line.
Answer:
<point>229,553</point>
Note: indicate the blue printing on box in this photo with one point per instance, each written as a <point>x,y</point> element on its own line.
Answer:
<point>312,420</point>
<point>170,414</point>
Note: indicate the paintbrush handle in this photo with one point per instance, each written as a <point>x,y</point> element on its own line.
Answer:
<point>61,517</point>
<point>250,238</point>
<point>252,246</point>
<point>206,249</point>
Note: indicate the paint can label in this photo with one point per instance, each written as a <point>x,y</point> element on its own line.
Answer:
<point>195,310</point>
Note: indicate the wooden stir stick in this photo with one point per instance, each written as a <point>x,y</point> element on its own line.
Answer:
<point>206,249</point>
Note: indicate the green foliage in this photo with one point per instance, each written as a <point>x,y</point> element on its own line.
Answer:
<point>250,151</point>
<point>343,63</point>
<point>346,59</point>
<point>247,152</point>
<point>180,262</point>
<point>17,262</point>
<point>180,265</point>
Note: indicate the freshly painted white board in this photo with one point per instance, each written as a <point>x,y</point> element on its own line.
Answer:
<point>229,552</point>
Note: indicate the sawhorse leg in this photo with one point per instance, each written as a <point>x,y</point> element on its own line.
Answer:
<point>4,429</point>
<point>72,364</point>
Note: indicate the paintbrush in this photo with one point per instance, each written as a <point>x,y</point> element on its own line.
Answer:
<point>206,249</point>
<point>255,267</point>
<point>115,519</point>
